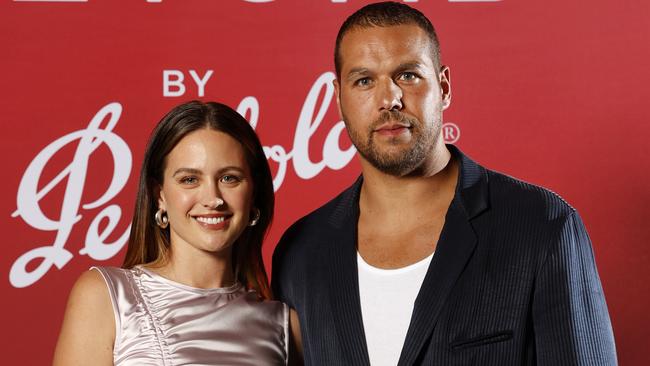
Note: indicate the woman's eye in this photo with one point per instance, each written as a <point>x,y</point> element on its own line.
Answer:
<point>230,179</point>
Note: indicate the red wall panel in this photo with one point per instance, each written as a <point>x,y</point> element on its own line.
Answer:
<point>552,92</point>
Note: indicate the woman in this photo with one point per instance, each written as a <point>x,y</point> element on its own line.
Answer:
<point>192,289</point>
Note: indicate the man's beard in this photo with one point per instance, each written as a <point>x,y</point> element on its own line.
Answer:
<point>404,161</point>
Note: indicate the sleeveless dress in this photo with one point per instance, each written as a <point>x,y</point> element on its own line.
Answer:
<point>162,322</point>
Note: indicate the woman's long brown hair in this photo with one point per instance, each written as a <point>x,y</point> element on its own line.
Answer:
<point>148,243</point>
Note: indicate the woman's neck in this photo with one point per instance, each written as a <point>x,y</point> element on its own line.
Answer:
<point>207,270</point>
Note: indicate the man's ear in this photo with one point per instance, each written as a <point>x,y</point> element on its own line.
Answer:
<point>337,94</point>
<point>445,86</point>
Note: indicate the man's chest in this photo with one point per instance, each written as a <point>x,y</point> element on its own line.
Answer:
<point>391,246</point>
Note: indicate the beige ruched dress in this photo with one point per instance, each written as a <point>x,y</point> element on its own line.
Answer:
<point>162,322</point>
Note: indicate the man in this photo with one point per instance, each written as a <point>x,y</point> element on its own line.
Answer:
<point>429,258</point>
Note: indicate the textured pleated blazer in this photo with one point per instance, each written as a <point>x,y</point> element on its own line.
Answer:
<point>513,281</point>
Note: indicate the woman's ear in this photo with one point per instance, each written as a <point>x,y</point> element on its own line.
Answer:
<point>161,197</point>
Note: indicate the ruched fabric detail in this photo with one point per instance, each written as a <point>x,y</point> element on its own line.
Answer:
<point>162,322</point>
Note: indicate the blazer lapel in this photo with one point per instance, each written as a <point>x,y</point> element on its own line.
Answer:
<point>455,247</point>
<point>344,279</point>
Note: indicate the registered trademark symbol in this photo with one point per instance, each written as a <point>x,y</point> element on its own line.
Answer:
<point>450,132</point>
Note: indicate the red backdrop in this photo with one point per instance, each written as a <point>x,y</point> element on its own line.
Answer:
<point>552,92</point>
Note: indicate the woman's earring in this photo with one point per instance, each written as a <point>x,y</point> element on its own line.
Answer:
<point>256,217</point>
<point>161,219</point>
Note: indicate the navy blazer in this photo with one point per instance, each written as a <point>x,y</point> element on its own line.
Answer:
<point>513,281</point>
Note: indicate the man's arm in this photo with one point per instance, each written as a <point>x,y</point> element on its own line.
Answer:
<point>570,317</point>
<point>282,290</point>
<point>280,275</point>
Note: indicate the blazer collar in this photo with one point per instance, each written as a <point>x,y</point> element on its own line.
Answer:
<point>454,248</point>
<point>472,187</point>
<point>471,191</point>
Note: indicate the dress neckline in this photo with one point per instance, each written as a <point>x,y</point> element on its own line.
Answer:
<point>217,290</point>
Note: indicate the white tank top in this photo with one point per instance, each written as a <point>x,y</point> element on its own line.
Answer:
<point>387,298</point>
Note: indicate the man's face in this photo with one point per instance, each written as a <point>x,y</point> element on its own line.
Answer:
<point>391,96</point>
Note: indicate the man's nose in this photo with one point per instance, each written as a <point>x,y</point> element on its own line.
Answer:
<point>390,96</point>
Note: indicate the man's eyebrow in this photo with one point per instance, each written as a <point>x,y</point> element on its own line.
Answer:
<point>186,170</point>
<point>356,71</point>
<point>360,71</point>
<point>408,65</point>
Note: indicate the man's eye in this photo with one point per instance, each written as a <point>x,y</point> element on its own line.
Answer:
<point>189,180</point>
<point>362,82</point>
<point>407,76</point>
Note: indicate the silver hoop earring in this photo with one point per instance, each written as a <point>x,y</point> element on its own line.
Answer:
<point>161,219</point>
<point>256,218</point>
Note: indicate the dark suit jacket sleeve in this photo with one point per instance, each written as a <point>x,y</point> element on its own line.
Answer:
<point>281,269</point>
<point>570,317</point>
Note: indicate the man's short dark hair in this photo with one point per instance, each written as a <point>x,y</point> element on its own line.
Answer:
<point>386,14</point>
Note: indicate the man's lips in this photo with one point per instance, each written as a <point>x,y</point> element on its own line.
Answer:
<point>392,129</point>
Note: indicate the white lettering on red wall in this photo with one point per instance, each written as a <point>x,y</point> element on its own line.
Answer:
<point>29,195</point>
<point>89,139</point>
<point>309,120</point>
<point>174,82</point>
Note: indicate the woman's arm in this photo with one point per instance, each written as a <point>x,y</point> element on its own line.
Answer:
<point>295,343</point>
<point>88,330</point>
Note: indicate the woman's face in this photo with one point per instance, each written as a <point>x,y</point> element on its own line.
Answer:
<point>204,168</point>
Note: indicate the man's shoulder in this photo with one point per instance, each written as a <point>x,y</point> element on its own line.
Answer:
<point>514,194</point>
<point>322,220</point>
<point>303,251</point>
<point>489,191</point>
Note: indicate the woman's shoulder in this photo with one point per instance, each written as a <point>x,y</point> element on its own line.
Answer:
<point>94,288</point>
<point>116,279</point>
<point>88,327</point>
<point>110,272</point>
<point>90,299</point>
<point>90,283</point>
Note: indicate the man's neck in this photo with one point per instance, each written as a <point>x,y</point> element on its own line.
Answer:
<point>434,181</point>
<point>401,218</point>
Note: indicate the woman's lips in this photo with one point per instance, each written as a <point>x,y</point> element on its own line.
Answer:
<point>213,222</point>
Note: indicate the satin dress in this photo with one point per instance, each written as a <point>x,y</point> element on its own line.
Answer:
<point>162,322</point>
